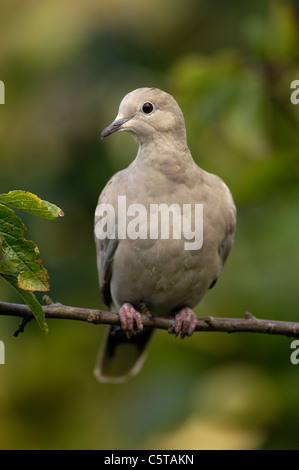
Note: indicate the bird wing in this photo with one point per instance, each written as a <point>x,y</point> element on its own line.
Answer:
<point>106,248</point>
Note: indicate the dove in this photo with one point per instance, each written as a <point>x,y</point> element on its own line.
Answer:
<point>155,275</point>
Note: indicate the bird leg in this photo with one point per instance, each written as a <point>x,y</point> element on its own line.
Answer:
<point>185,323</point>
<point>130,320</point>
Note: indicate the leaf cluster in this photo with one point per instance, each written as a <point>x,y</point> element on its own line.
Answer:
<point>20,262</point>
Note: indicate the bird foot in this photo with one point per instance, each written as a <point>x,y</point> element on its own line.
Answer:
<point>185,323</point>
<point>130,320</point>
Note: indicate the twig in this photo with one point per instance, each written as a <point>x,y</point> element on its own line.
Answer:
<point>249,324</point>
<point>22,325</point>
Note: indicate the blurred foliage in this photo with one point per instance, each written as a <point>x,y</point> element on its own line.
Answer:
<point>229,65</point>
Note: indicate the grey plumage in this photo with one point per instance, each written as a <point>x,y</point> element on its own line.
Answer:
<point>156,273</point>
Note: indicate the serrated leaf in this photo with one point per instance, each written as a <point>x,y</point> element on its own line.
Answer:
<point>20,255</point>
<point>31,301</point>
<point>32,204</point>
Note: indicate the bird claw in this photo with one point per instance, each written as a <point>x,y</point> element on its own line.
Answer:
<point>130,320</point>
<point>185,323</point>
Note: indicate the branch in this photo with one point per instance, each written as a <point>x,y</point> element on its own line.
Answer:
<point>249,324</point>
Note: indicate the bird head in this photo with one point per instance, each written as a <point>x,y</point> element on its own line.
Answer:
<point>149,114</point>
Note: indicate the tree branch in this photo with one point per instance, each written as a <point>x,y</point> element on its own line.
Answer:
<point>249,324</point>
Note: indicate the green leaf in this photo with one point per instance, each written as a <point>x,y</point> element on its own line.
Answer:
<point>18,255</point>
<point>31,301</point>
<point>6,266</point>
<point>32,204</point>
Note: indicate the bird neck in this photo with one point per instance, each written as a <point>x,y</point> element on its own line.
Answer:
<point>170,157</point>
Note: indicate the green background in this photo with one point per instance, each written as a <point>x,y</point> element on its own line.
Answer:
<point>66,66</point>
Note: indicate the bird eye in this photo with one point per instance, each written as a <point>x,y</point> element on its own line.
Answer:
<point>148,107</point>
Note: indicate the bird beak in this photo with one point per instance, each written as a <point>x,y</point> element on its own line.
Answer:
<point>114,126</point>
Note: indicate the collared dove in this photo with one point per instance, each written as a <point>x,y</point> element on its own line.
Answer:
<point>156,275</point>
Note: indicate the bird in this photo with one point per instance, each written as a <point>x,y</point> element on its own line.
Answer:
<point>156,276</point>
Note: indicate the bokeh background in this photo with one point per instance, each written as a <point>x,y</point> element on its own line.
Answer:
<point>66,66</point>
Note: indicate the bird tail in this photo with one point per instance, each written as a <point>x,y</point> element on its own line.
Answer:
<point>120,358</point>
